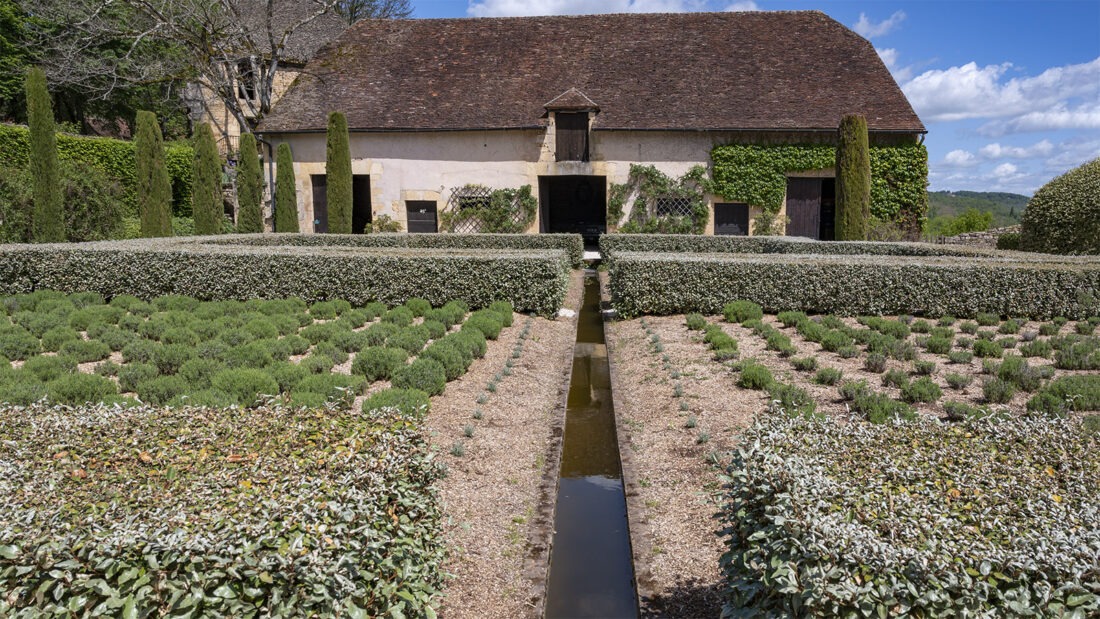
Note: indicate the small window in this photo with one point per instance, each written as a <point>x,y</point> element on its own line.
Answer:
<point>246,80</point>
<point>571,136</point>
<point>673,206</point>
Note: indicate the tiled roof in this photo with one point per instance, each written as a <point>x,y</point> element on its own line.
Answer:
<point>305,40</point>
<point>735,71</point>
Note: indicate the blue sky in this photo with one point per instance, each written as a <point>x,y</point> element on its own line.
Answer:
<point>1009,90</point>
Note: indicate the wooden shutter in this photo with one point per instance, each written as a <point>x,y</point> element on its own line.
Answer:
<point>571,136</point>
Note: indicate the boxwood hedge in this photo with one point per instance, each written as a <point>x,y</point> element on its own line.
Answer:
<point>573,244</point>
<point>532,280</point>
<point>980,519</point>
<point>266,512</point>
<point>654,283</point>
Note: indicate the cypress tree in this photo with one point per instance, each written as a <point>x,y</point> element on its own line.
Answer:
<point>286,195</point>
<point>206,183</point>
<point>153,188</point>
<point>338,168</point>
<point>250,187</point>
<point>48,219</point>
<point>853,180</point>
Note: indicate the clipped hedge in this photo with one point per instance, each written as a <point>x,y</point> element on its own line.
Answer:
<point>1064,215</point>
<point>266,512</point>
<point>691,244</point>
<point>114,157</point>
<point>653,283</point>
<point>922,519</point>
<point>533,281</point>
<point>573,244</point>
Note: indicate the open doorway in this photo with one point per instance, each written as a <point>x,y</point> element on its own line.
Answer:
<point>576,204</point>
<point>811,208</point>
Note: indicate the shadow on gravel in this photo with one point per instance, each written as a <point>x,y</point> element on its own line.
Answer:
<point>689,599</point>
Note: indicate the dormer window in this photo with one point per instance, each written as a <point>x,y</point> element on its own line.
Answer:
<point>572,112</point>
<point>246,80</point>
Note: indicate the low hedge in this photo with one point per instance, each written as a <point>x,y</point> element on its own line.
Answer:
<point>652,283</point>
<point>533,281</point>
<point>823,519</point>
<point>573,244</point>
<point>699,244</point>
<point>265,512</point>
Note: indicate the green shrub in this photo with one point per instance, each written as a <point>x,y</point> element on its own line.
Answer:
<point>17,343</point>
<point>352,319</point>
<point>1010,327</point>
<point>791,399</point>
<point>49,368</point>
<point>939,345</point>
<point>400,316</point>
<point>411,339</point>
<point>435,329</point>
<point>718,339</point>
<point>199,372</point>
<point>449,356</point>
<point>754,376</point>
<point>920,326</point>
<point>296,344</point>
<point>741,311</point>
<point>377,334</point>
<point>287,374</point>
<point>55,337</point>
<point>924,368</point>
<point>828,376</point>
<point>135,373</point>
<point>505,310</point>
<point>322,331</point>
<point>1049,329</point>
<point>411,401</point>
<point>962,357</point>
<point>1091,424</point>
<point>834,340</point>
<point>83,318</point>
<point>1016,370</point>
<point>875,362</point>
<point>329,349</point>
<point>470,342</point>
<point>1084,328</point>
<point>879,408</point>
<point>76,389</point>
<point>153,187</point>
<point>921,390</point>
<point>160,390</point>
<point>349,341</point>
<point>378,363</point>
<point>958,381</point>
<point>181,336</point>
<point>338,388</point>
<point>418,306</point>
<point>427,375</point>
<point>85,351</point>
<point>250,186</point>
<point>324,310</point>
<point>245,385</point>
<point>805,364</point>
<point>205,398</point>
<point>206,197</point>
<point>998,391</point>
<point>317,363</point>
<point>1078,392</point>
<point>48,218</point>
<point>1008,240</point>
<point>286,197</point>
<point>791,318</point>
<point>1083,355</point>
<point>1063,217</point>
<point>107,368</point>
<point>895,378</point>
<point>485,321</point>
<point>21,388</point>
<point>695,322</point>
<point>986,349</point>
<point>338,168</point>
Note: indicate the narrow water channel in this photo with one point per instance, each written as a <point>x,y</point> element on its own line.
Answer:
<point>591,571</point>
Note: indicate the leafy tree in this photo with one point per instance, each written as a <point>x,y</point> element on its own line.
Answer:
<point>48,221</point>
<point>338,169</point>
<point>286,194</point>
<point>354,10</point>
<point>853,180</point>
<point>92,202</point>
<point>206,184</point>
<point>14,56</point>
<point>250,187</point>
<point>153,188</point>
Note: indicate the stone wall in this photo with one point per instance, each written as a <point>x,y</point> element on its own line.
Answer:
<point>987,238</point>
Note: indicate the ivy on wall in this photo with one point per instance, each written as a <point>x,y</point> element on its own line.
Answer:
<point>646,184</point>
<point>114,157</point>
<point>757,175</point>
<point>495,211</point>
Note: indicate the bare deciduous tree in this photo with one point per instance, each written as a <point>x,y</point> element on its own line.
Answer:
<point>354,10</point>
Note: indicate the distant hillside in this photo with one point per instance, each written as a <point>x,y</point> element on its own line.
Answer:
<point>1006,207</point>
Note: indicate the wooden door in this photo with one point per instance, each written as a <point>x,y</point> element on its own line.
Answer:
<point>804,207</point>
<point>731,219</point>
<point>571,135</point>
<point>420,215</point>
<point>320,202</point>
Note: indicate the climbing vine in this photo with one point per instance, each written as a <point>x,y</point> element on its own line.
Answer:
<point>491,210</point>
<point>757,175</point>
<point>646,185</point>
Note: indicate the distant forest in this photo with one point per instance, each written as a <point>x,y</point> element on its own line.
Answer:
<point>1006,208</point>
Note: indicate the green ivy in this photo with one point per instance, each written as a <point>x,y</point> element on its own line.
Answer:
<point>757,175</point>
<point>647,184</point>
<point>115,157</point>
<point>497,215</point>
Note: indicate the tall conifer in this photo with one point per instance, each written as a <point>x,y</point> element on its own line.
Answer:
<point>338,169</point>
<point>853,180</point>
<point>48,219</point>
<point>206,183</point>
<point>250,187</point>
<point>153,187</point>
<point>286,194</point>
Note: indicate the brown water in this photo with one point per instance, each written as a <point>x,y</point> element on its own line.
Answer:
<point>591,571</point>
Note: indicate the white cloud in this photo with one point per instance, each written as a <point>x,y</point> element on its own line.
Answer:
<point>960,158</point>
<point>970,91</point>
<point>997,151</point>
<point>889,58</point>
<point>1005,171</point>
<point>747,5</point>
<point>512,8</point>
<point>1058,117</point>
<point>869,29</point>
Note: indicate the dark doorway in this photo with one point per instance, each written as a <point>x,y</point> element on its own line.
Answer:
<point>811,207</point>
<point>360,203</point>
<point>420,215</point>
<point>731,219</point>
<point>576,204</point>
<point>320,202</point>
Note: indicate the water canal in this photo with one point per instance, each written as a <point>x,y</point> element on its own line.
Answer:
<point>591,571</point>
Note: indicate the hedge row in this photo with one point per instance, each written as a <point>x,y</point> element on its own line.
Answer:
<point>573,244</point>
<point>983,519</point>
<point>231,512</point>
<point>695,244</point>
<point>534,281</point>
<point>654,283</point>
<point>114,157</point>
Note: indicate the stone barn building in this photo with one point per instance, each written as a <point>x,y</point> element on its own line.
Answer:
<point>591,113</point>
